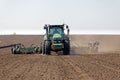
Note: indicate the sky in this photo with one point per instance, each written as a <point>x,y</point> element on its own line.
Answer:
<point>82,16</point>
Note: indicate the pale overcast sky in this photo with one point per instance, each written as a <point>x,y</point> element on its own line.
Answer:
<point>82,16</point>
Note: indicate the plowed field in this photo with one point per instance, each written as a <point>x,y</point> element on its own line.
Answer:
<point>77,66</point>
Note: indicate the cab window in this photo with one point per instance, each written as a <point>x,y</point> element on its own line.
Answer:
<point>54,30</point>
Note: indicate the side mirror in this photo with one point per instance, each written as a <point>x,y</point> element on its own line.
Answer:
<point>45,27</point>
<point>67,26</point>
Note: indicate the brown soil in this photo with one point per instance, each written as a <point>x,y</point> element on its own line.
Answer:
<point>96,66</point>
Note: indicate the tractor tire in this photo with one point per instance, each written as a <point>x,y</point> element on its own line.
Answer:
<point>47,50</point>
<point>66,50</point>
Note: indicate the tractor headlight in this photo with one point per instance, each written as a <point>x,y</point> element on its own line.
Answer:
<point>59,41</point>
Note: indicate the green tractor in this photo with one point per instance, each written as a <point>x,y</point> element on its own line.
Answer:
<point>55,40</point>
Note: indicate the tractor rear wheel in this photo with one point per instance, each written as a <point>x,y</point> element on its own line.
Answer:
<point>66,50</point>
<point>47,49</point>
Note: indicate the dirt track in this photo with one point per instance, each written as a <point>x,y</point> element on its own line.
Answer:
<point>54,67</point>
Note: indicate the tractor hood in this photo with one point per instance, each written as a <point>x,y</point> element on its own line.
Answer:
<point>57,36</point>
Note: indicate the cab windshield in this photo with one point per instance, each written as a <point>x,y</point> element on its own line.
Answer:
<point>54,30</point>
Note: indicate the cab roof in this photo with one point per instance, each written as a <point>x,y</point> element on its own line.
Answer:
<point>56,26</point>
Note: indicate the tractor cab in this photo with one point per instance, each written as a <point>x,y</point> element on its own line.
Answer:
<point>52,30</point>
<point>56,30</point>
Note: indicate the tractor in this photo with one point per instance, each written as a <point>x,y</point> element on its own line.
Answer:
<point>55,40</point>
